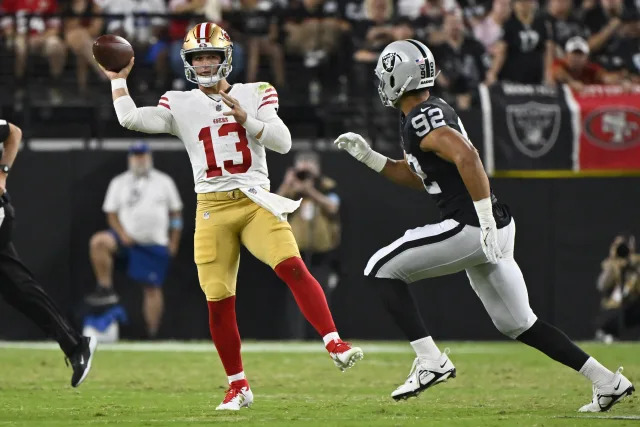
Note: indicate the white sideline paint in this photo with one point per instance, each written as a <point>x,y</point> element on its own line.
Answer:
<point>249,347</point>
<point>601,417</point>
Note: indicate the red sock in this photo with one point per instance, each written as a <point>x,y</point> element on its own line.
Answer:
<point>224,333</point>
<point>308,294</point>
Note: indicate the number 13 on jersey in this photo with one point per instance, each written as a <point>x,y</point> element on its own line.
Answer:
<point>242,146</point>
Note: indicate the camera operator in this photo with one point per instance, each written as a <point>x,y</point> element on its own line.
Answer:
<point>619,283</point>
<point>316,227</point>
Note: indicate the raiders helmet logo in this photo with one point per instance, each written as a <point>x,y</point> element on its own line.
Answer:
<point>534,127</point>
<point>389,61</point>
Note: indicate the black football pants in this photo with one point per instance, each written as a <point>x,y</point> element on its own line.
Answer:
<point>19,288</point>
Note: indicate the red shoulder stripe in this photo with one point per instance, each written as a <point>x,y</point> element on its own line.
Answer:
<point>273,101</point>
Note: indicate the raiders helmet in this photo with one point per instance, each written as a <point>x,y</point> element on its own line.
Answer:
<point>404,65</point>
<point>207,37</point>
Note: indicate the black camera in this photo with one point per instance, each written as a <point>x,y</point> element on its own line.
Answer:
<point>623,251</point>
<point>303,174</point>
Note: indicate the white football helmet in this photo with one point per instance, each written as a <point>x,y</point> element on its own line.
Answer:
<point>404,65</point>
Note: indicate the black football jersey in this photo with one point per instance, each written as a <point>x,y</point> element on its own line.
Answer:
<point>441,178</point>
<point>525,50</point>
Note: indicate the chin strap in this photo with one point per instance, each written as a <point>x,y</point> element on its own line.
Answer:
<point>402,89</point>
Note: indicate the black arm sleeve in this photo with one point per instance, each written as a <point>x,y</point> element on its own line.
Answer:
<point>4,130</point>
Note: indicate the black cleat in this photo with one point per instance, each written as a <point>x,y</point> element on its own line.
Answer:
<point>81,360</point>
<point>102,296</point>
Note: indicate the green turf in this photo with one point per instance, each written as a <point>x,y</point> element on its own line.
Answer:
<point>497,384</point>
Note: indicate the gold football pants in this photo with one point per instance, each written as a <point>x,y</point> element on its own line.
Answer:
<point>223,221</point>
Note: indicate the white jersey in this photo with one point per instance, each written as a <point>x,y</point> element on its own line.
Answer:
<point>143,205</point>
<point>223,155</point>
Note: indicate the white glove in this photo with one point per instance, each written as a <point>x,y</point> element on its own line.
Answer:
<point>488,230</point>
<point>355,145</point>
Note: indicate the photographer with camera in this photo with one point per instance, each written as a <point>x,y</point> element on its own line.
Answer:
<point>316,227</point>
<point>619,283</point>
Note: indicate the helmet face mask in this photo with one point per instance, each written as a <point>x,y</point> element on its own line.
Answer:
<point>403,66</point>
<point>207,37</point>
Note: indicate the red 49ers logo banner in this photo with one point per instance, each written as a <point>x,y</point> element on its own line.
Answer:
<point>610,127</point>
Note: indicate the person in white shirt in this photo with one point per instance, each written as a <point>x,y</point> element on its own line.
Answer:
<point>144,214</point>
<point>226,130</point>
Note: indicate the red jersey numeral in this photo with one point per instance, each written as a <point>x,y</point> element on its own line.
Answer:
<point>242,146</point>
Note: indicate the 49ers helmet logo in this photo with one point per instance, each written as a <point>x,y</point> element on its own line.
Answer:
<point>613,127</point>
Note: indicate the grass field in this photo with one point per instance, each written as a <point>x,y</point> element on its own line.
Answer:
<point>296,384</point>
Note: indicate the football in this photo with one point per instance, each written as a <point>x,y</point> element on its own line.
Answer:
<point>112,52</point>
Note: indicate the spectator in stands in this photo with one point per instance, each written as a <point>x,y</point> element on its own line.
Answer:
<point>260,27</point>
<point>462,61</point>
<point>316,227</point>
<point>525,53</point>
<point>488,31</point>
<point>80,30</point>
<point>213,9</point>
<point>619,284</point>
<point>177,30</point>
<point>576,70</point>
<point>564,24</point>
<point>612,26</point>
<point>312,31</point>
<point>36,35</point>
<point>315,37</point>
<point>429,22</point>
<point>147,35</point>
<point>143,210</point>
<point>633,60</point>
<point>375,31</point>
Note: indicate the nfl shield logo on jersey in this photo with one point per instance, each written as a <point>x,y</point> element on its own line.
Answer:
<point>533,127</point>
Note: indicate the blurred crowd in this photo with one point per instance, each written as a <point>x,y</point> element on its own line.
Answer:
<point>320,49</point>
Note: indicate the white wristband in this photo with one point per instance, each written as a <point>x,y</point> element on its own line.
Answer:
<point>253,126</point>
<point>118,84</point>
<point>375,160</point>
<point>484,209</point>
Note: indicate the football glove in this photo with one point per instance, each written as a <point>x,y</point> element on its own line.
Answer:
<point>355,145</point>
<point>488,230</point>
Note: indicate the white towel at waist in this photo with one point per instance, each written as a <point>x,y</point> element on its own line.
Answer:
<point>277,205</point>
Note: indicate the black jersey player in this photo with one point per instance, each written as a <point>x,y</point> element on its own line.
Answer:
<point>476,232</point>
<point>17,285</point>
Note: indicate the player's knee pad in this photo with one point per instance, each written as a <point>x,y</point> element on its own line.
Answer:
<point>513,327</point>
<point>218,294</point>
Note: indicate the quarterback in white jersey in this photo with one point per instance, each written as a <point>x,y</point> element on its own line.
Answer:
<point>223,155</point>
<point>225,129</point>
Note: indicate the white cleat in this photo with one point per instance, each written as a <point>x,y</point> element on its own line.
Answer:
<point>604,397</point>
<point>424,374</point>
<point>344,356</point>
<point>236,398</point>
